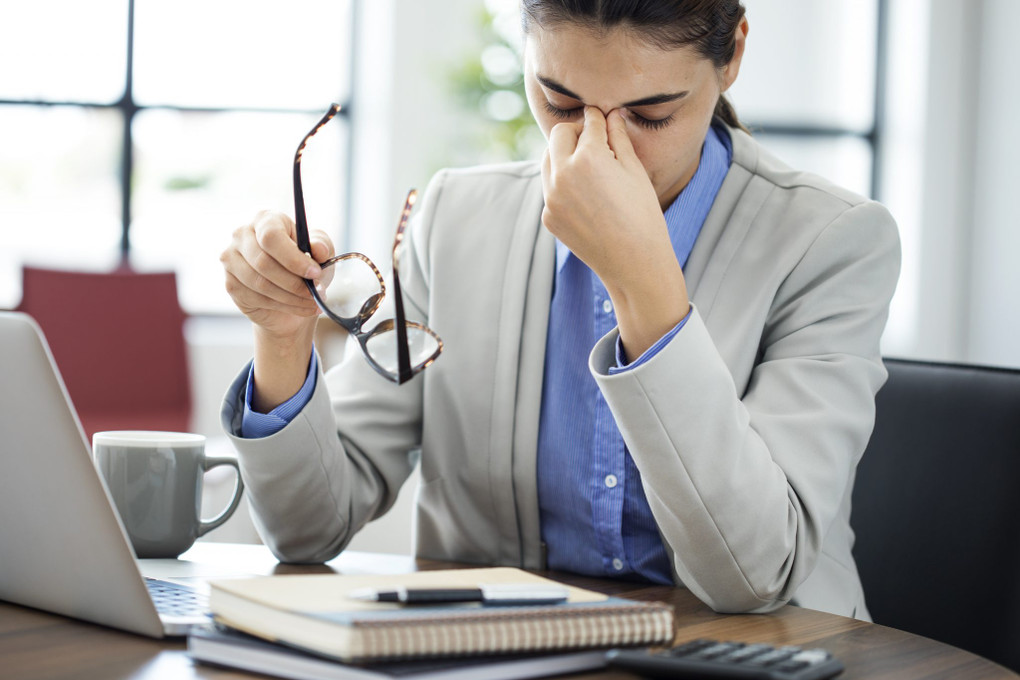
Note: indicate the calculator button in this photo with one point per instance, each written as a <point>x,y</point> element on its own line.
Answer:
<point>812,656</point>
<point>746,652</point>
<point>715,651</point>
<point>774,657</point>
<point>690,647</point>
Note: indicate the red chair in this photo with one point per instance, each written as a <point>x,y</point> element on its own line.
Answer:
<point>118,339</point>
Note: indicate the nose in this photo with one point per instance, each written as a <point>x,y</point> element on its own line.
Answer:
<point>606,112</point>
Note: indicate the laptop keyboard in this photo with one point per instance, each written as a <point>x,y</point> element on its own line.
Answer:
<point>176,599</point>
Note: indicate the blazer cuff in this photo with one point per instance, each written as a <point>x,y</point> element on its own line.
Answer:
<point>606,356</point>
<point>255,424</point>
<point>318,410</point>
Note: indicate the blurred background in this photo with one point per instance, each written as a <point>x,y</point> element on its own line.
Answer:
<point>144,131</point>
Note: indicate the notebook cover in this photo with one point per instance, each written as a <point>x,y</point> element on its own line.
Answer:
<point>314,612</point>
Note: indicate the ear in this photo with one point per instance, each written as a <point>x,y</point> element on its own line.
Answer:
<point>730,71</point>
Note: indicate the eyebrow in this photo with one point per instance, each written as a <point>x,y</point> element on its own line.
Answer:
<point>644,101</point>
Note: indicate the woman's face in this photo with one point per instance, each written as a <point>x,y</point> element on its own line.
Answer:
<point>667,97</point>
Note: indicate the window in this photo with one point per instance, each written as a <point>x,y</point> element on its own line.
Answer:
<point>809,83</point>
<point>150,130</point>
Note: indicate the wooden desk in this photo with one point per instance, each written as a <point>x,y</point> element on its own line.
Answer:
<point>36,645</point>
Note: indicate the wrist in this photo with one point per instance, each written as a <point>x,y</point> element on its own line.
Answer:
<point>290,336</point>
<point>649,307</point>
<point>280,366</point>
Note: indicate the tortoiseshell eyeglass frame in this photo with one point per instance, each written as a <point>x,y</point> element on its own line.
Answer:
<point>353,325</point>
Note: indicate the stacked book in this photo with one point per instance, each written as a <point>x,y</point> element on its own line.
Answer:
<point>324,626</point>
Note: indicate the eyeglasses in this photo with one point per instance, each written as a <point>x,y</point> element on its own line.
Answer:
<point>352,289</point>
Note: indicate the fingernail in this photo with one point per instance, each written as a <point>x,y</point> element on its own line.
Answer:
<point>313,271</point>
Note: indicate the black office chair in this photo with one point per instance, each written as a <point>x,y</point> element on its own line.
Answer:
<point>936,507</point>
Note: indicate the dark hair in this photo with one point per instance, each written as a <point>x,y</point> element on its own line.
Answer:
<point>709,26</point>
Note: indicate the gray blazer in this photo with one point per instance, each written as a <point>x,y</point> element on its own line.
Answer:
<point>747,427</point>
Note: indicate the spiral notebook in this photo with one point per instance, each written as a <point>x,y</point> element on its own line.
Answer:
<point>314,613</point>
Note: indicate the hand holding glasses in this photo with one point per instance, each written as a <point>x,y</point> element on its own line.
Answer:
<point>352,290</point>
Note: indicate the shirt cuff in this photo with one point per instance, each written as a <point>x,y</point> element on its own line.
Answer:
<point>621,357</point>
<point>255,425</point>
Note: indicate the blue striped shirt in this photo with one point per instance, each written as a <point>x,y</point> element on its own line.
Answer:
<point>595,518</point>
<point>255,424</point>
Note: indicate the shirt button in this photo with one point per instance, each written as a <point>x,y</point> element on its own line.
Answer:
<point>607,306</point>
<point>618,564</point>
<point>611,481</point>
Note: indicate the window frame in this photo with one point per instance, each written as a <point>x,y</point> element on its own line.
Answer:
<point>873,136</point>
<point>129,108</point>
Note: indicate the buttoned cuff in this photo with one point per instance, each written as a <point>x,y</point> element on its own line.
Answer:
<point>255,425</point>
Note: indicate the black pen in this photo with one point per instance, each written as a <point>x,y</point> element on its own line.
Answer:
<point>495,594</point>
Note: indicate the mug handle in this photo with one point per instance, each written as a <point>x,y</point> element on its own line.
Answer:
<point>205,526</point>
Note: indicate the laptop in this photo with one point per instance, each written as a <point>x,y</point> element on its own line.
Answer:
<point>63,548</point>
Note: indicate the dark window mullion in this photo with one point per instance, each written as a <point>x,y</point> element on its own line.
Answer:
<point>877,137</point>
<point>874,135</point>
<point>128,110</point>
<point>796,130</point>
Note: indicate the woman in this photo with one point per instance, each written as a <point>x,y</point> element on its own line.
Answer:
<point>661,343</point>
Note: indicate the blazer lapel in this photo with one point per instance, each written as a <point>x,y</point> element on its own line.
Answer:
<point>517,392</point>
<point>725,227</point>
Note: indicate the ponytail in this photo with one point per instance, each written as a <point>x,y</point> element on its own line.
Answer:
<point>725,112</point>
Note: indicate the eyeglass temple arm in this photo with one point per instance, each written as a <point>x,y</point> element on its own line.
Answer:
<point>403,352</point>
<point>300,221</point>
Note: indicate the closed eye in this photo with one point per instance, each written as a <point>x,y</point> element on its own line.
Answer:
<point>647,123</point>
<point>563,114</point>
<point>652,123</point>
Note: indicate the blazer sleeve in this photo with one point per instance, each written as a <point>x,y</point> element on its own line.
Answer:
<point>745,486</point>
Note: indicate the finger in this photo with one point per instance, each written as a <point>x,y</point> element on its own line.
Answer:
<point>619,140</point>
<point>594,133</point>
<point>546,171</point>
<point>275,233</point>
<point>246,276</point>
<point>322,246</point>
<point>250,301</point>
<point>257,270</point>
<point>547,219</point>
<point>562,143</point>
<point>549,190</point>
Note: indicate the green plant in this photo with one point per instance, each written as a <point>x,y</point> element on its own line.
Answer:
<point>490,84</point>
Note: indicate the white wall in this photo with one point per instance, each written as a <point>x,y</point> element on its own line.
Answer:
<point>404,118</point>
<point>994,311</point>
<point>957,299</point>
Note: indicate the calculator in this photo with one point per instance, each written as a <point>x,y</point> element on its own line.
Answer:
<point>718,659</point>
